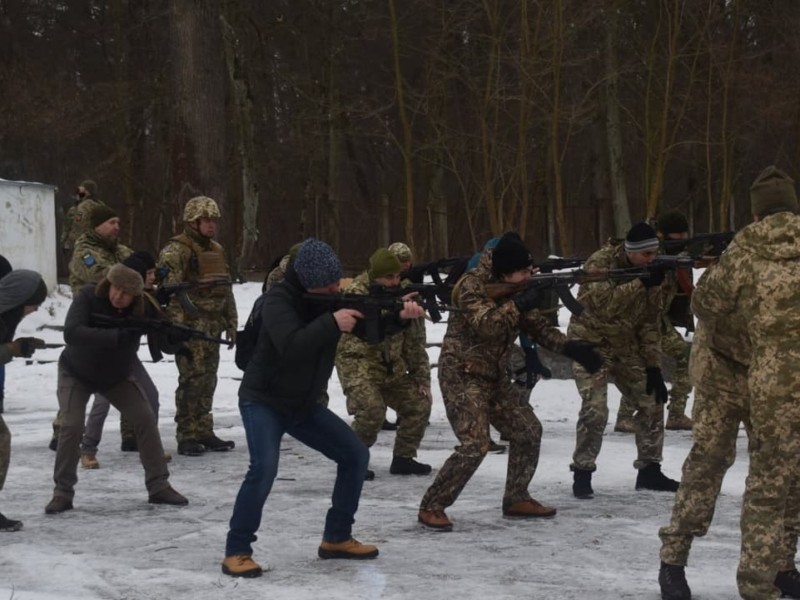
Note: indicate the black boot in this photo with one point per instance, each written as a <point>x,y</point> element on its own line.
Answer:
<point>53,445</point>
<point>369,475</point>
<point>9,524</point>
<point>215,444</point>
<point>651,478</point>
<point>672,579</point>
<point>582,484</point>
<point>408,466</point>
<point>788,582</point>
<point>388,426</point>
<point>191,448</point>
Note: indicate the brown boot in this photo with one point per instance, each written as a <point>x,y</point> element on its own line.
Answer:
<point>528,509</point>
<point>241,565</point>
<point>435,519</point>
<point>678,423</point>
<point>89,461</point>
<point>168,496</point>
<point>352,549</point>
<point>57,505</point>
<point>625,425</point>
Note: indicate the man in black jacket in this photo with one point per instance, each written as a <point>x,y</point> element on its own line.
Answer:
<point>98,359</point>
<point>279,394</point>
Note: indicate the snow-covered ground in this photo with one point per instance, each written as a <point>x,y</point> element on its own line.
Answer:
<point>115,545</point>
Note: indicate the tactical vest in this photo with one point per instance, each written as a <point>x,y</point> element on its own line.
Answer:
<point>205,266</point>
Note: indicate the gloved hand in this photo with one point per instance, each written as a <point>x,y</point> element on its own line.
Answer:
<point>527,300</point>
<point>655,384</point>
<point>25,346</point>
<point>585,354</point>
<point>127,336</point>
<point>230,335</point>
<point>654,276</point>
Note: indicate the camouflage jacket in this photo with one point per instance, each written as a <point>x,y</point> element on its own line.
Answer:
<point>77,221</point>
<point>415,341</point>
<point>277,274</point>
<point>94,255</point>
<point>621,314</point>
<point>480,338</point>
<point>356,360</point>
<point>757,282</point>
<point>179,260</point>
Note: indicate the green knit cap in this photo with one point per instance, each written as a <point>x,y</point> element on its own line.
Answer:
<point>772,191</point>
<point>383,263</point>
<point>100,214</point>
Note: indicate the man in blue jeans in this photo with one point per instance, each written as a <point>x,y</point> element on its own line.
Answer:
<point>290,368</point>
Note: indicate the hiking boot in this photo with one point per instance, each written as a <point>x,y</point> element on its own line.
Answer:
<point>215,444</point>
<point>678,423</point>
<point>528,509</point>
<point>388,426</point>
<point>435,519</point>
<point>53,445</point>
<point>582,484</point>
<point>651,478</point>
<point>496,448</point>
<point>241,565</point>
<point>89,461</point>
<point>672,579</point>
<point>9,525</point>
<point>369,475</point>
<point>351,548</point>
<point>191,448</point>
<point>58,504</point>
<point>788,582</point>
<point>129,446</point>
<point>168,496</point>
<point>408,466</point>
<point>625,425</point>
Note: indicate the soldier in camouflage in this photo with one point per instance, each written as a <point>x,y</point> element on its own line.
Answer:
<point>194,257</point>
<point>623,319</point>
<point>392,373</point>
<point>77,220</point>
<point>677,313</point>
<point>476,388</point>
<point>757,282</point>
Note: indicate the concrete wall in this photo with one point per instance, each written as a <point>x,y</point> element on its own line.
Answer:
<point>28,227</point>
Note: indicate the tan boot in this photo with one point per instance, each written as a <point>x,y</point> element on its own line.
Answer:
<point>352,549</point>
<point>435,519</point>
<point>89,461</point>
<point>528,509</point>
<point>678,423</point>
<point>625,425</point>
<point>241,565</point>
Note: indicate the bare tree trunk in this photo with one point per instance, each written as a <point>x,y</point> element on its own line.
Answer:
<point>558,191</point>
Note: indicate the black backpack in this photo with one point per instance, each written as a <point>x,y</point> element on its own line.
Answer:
<point>247,338</point>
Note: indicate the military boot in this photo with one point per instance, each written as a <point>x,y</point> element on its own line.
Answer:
<point>89,461</point>
<point>582,484</point>
<point>496,448</point>
<point>435,519</point>
<point>651,478</point>
<point>672,580</point>
<point>128,445</point>
<point>350,549</point>
<point>678,423</point>
<point>191,448</point>
<point>408,466</point>
<point>241,565</point>
<point>388,426</point>
<point>215,444</point>
<point>58,504</point>
<point>528,509</point>
<point>788,582</point>
<point>8,525</point>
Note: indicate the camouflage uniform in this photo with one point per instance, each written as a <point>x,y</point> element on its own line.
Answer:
<point>277,274</point>
<point>386,374</point>
<point>757,281</point>
<point>77,221</point>
<point>191,257</point>
<point>622,319</point>
<point>477,390</point>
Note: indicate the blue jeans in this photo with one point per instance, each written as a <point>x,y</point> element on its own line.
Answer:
<point>323,431</point>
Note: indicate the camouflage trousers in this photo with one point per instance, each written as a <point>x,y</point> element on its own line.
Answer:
<point>472,404</point>
<point>674,346</point>
<point>770,520</point>
<point>197,381</point>
<point>627,369</point>
<point>367,402</point>
<point>5,451</point>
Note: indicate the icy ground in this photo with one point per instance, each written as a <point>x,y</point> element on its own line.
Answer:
<point>114,545</point>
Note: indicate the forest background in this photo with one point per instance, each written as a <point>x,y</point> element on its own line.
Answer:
<point>435,122</point>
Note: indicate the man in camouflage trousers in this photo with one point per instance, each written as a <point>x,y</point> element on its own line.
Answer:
<point>677,313</point>
<point>476,387</point>
<point>391,373</point>
<point>623,319</point>
<point>78,217</point>
<point>757,282</point>
<point>194,257</point>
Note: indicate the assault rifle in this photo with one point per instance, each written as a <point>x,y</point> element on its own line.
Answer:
<point>175,332</point>
<point>556,264</point>
<point>704,244</point>
<point>428,295</point>
<point>562,282</point>
<point>180,290</point>
<point>455,267</point>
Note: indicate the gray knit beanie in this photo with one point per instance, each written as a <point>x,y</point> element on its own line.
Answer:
<point>316,264</point>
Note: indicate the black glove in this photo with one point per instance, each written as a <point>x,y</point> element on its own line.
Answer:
<point>534,363</point>
<point>654,276</point>
<point>128,336</point>
<point>585,354</point>
<point>24,347</point>
<point>527,300</point>
<point>655,383</point>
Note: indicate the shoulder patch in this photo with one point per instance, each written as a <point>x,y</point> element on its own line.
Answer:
<point>88,260</point>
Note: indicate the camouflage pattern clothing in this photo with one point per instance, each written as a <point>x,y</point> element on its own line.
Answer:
<point>477,390</point>
<point>277,274</point>
<point>94,255</point>
<point>191,257</point>
<point>374,376</point>
<point>77,221</point>
<point>757,280</point>
<point>622,319</point>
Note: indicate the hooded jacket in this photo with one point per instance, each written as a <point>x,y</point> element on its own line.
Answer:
<point>15,289</point>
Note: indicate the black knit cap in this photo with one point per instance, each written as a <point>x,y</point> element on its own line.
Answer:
<point>511,254</point>
<point>672,222</point>
<point>140,261</point>
<point>641,238</point>
<point>101,214</point>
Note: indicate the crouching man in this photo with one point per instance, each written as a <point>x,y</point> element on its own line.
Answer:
<point>102,359</point>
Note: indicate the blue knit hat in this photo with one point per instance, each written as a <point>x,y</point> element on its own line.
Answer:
<point>316,264</point>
